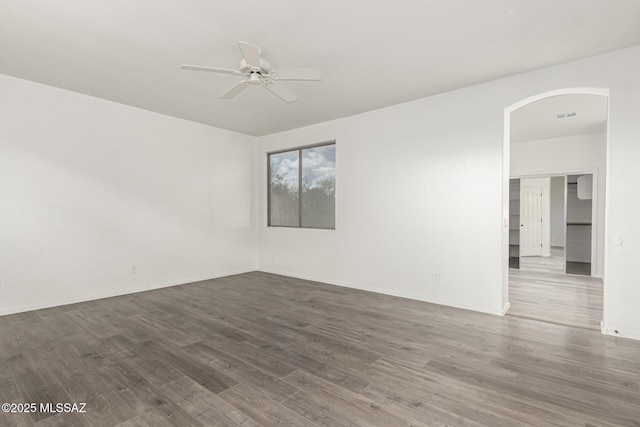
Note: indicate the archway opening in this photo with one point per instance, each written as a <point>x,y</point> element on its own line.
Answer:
<point>557,137</point>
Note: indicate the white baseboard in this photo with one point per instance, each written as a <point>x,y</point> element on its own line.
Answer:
<point>619,332</point>
<point>387,292</point>
<point>58,303</point>
<point>505,309</point>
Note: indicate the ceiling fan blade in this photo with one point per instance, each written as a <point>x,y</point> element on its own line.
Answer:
<point>235,89</point>
<point>251,54</point>
<point>211,69</point>
<point>280,91</point>
<point>299,74</point>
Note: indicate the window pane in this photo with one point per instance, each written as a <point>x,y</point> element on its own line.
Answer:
<point>283,189</point>
<point>319,186</point>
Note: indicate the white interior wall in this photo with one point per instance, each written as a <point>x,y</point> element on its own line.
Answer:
<point>420,189</point>
<point>413,198</point>
<point>579,153</point>
<point>90,188</point>
<point>557,203</point>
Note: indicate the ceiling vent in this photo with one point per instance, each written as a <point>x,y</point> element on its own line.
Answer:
<point>565,115</point>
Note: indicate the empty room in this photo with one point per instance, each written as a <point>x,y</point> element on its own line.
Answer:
<point>319,213</point>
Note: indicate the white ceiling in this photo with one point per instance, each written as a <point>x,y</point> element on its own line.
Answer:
<point>538,120</point>
<point>373,53</point>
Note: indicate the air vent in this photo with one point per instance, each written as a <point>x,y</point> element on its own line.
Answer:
<point>565,115</point>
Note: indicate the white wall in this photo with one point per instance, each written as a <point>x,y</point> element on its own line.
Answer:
<point>420,190</point>
<point>557,203</point>
<point>417,187</point>
<point>89,188</point>
<point>568,155</point>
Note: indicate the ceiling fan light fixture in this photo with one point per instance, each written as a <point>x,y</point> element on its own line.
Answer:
<point>254,79</point>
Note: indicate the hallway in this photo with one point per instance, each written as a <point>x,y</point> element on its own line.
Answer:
<point>556,298</point>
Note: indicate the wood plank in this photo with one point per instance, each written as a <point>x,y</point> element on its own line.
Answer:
<point>262,409</point>
<point>241,371</point>
<point>208,408</point>
<point>557,298</point>
<point>357,408</point>
<point>146,399</point>
<point>202,373</point>
<point>27,372</point>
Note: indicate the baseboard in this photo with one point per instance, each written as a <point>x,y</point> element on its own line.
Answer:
<point>387,292</point>
<point>619,332</point>
<point>505,309</point>
<point>62,302</point>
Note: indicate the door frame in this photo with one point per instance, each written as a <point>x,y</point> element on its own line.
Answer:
<point>594,207</point>
<point>506,171</point>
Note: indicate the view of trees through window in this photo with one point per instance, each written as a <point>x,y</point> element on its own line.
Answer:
<point>302,187</point>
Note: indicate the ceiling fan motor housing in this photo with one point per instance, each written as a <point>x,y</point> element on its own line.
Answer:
<point>255,79</point>
<point>265,67</point>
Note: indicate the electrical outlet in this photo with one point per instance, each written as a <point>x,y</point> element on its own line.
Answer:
<point>134,269</point>
<point>436,277</point>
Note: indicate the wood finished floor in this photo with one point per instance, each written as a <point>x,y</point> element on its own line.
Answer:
<point>555,263</point>
<point>260,349</point>
<point>582,268</point>
<point>557,298</point>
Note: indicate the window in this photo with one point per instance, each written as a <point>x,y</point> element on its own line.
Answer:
<point>302,187</point>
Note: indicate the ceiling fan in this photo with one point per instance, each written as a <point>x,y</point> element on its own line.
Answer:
<point>257,71</point>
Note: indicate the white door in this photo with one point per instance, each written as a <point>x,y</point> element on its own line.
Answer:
<point>530,220</point>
